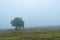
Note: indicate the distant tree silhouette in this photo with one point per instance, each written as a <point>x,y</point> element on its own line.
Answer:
<point>17,23</point>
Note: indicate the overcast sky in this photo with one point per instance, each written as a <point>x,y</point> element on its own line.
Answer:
<point>34,12</point>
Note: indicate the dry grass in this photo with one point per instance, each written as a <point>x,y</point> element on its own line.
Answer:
<point>30,35</point>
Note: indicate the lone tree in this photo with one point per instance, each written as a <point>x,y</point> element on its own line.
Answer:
<point>17,23</point>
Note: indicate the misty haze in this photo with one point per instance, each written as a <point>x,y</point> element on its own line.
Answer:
<point>30,19</point>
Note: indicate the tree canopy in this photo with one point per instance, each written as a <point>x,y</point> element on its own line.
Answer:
<point>17,22</point>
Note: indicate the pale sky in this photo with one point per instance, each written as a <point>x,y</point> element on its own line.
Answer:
<point>34,12</point>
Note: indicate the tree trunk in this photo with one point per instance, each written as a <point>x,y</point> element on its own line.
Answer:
<point>19,28</point>
<point>16,28</point>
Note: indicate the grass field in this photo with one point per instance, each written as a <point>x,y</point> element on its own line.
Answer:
<point>31,34</point>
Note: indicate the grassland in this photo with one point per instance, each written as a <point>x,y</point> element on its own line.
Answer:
<point>31,34</point>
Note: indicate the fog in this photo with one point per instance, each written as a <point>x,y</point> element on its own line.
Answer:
<point>34,12</point>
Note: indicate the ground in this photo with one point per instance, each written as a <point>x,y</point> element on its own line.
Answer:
<point>31,34</point>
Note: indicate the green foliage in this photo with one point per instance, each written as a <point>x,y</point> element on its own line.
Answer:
<point>17,22</point>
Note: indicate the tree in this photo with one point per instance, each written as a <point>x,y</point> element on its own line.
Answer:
<point>17,23</point>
